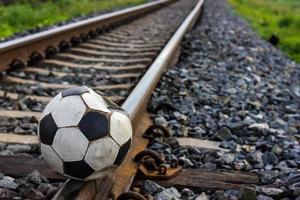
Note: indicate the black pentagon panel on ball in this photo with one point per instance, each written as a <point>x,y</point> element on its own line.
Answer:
<point>94,125</point>
<point>78,169</point>
<point>74,91</point>
<point>47,129</point>
<point>122,152</point>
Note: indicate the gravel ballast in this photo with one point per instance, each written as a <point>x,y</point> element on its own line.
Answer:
<point>231,86</point>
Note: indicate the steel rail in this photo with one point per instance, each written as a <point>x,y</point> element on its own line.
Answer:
<point>137,100</point>
<point>22,48</point>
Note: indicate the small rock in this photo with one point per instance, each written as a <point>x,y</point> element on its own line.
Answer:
<point>261,127</point>
<point>187,193</point>
<point>202,197</point>
<point>8,182</point>
<point>36,178</point>
<point>161,121</point>
<point>150,187</point>
<point>184,161</point>
<point>248,194</point>
<point>223,134</point>
<point>228,145</point>
<point>263,197</point>
<point>228,158</point>
<point>277,149</point>
<point>255,157</point>
<point>167,194</point>
<point>270,158</point>
<point>274,192</point>
<point>18,148</point>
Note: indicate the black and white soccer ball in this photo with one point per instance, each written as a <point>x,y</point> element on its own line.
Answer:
<point>84,135</point>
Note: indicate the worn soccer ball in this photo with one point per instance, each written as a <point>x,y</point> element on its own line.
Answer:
<point>84,135</point>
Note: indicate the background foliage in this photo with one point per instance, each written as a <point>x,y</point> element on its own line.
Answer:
<point>29,14</point>
<point>278,17</point>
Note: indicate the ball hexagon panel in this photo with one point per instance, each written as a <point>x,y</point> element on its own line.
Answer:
<point>51,105</point>
<point>102,153</point>
<point>122,152</point>
<point>94,101</point>
<point>120,127</point>
<point>52,158</point>
<point>74,91</point>
<point>70,144</point>
<point>69,111</point>
<point>94,125</point>
<point>78,169</point>
<point>47,129</point>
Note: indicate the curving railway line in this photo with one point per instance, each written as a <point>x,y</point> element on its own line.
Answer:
<point>121,54</point>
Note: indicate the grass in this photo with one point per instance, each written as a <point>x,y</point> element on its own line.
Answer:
<point>29,14</point>
<point>278,17</point>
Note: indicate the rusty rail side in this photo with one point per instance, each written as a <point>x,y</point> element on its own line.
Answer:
<point>22,48</point>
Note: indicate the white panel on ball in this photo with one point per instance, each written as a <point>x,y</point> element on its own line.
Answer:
<point>69,111</point>
<point>102,153</point>
<point>120,127</point>
<point>52,158</point>
<point>96,95</point>
<point>70,144</point>
<point>95,102</point>
<point>51,105</point>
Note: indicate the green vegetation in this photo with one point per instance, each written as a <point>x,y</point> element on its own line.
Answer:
<point>278,17</point>
<point>28,14</point>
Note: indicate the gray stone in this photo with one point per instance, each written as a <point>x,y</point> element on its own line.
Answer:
<point>248,194</point>
<point>36,177</point>
<point>255,157</point>
<point>263,197</point>
<point>273,192</point>
<point>8,182</point>
<point>187,193</point>
<point>223,134</point>
<point>18,148</point>
<point>202,196</point>
<point>167,194</point>
<point>150,187</point>
<point>6,153</point>
<point>185,161</point>
<point>228,145</point>
<point>228,158</point>
<point>261,127</point>
<point>161,121</point>
<point>277,149</point>
<point>270,158</point>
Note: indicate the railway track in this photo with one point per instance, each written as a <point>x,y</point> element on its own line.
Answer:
<point>121,55</point>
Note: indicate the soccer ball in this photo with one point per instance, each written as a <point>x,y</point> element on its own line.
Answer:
<point>84,135</point>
